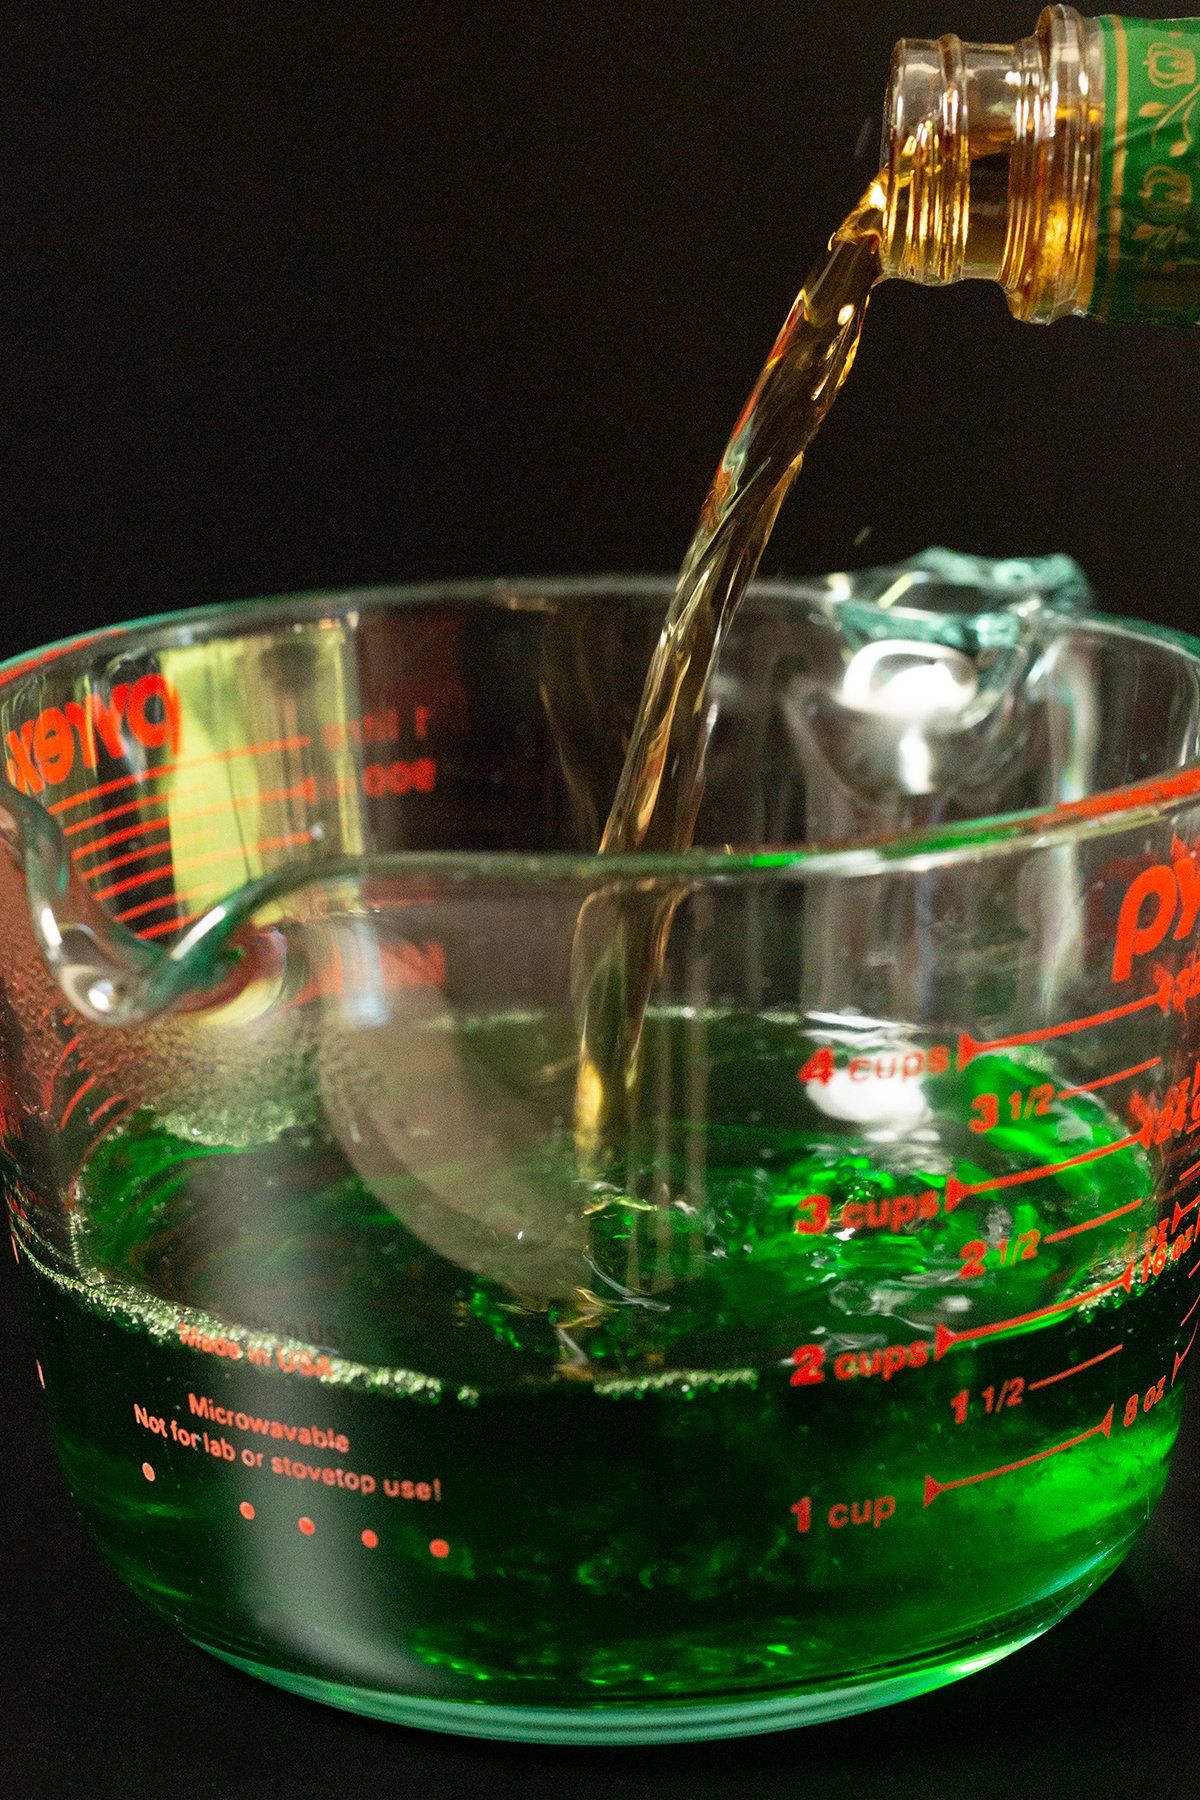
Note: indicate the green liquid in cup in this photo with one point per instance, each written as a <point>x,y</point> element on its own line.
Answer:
<point>765,1472</point>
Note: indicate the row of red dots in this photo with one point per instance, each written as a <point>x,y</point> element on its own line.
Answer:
<point>437,1546</point>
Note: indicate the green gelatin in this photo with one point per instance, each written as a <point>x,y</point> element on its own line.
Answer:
<point>796,1413</point>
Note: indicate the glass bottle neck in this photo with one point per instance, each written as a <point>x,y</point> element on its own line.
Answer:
<point>992,155</point>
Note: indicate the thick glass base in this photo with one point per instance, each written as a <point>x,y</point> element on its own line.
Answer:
<point>634,1724</point>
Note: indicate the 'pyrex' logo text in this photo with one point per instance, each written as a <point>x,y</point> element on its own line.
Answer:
<point>42,752</point>
<point>1160,895</point>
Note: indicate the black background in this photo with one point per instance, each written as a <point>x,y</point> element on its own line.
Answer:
<point>302,295</point>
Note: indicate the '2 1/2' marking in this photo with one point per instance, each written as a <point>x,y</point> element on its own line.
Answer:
<point>976,1255</point>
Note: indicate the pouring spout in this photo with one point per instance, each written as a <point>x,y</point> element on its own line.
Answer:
<point>926,689</point>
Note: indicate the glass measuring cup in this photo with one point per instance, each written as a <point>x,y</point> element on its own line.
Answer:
<point>854,1367</point>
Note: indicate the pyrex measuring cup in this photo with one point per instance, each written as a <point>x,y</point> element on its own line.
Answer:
<point>853,1367</point>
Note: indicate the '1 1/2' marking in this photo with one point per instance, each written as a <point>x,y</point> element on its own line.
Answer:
<point>1009,1393</point>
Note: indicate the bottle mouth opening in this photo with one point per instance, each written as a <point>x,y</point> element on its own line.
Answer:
<point>990,153</point>
<point>925,151</point>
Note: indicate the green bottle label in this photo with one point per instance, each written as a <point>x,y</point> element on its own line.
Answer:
<point>1148,246</point>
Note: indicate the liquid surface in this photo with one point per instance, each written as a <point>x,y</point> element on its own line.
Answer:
<point>827,1417</point>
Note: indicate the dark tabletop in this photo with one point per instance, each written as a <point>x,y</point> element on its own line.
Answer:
<point>105,1702</point>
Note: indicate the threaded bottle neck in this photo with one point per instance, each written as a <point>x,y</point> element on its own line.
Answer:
<point>992,157</point>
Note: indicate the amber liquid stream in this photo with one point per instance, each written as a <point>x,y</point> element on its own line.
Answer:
<point>621,936</point>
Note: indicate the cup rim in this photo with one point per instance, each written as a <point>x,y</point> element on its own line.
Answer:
<point>1098,815</point>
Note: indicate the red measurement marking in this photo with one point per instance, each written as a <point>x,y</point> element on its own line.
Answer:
<point>1192,1273</point>
<point>111,787</point>
<point>1076,1368</point>
<point>286,842</point>
<point>176,844</point>
<point>1091,1224</point>
<point>1182,1357</point>
<point>134,881</point>
<point>153,931</point>
<point>946,1339</point>
<point>135,912</point>
<point>934,1488</point>
<point>184,865</point>
<point>107,1106</point>
<point>60,1060</point>
<point>114,812</point>
<point>76,1097</point>
<point>439,1547</point>
<point>305,790</point>
<point>196,762</point>
<point>114,1100</point>
<point>1191,1309</point>
<point>1181,1213</point>
<point>1183,1181</point>
<point>130,856</point>
<point>118,1118</point>
<point>957,1190</point>
<point>371,1539</point>
<point>300,790</point>
<point>142,829</point>
<point>246,1510</point>
<point>306,1526</point>
<point>124,1111</point>
<point>148,1471</point>
<point>969,1047</point>
<point>1089,1087</point>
